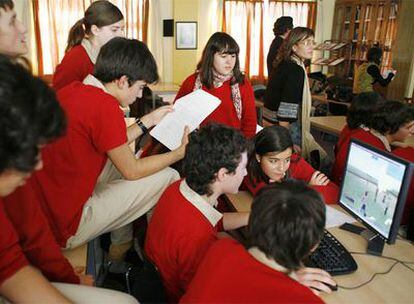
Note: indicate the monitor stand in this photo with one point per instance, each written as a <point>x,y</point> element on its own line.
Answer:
<point>375,241</point>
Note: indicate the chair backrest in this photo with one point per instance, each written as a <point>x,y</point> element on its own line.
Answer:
<point>148,286</point>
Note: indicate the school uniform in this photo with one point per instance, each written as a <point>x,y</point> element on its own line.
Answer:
<point>35,238</point>
<point>12,258</point>
<point>299,169</point>
<point>342,150</point>
<point>25,240</point>
<point>226,113</point>
<point>182,228</point>
<point>231,274</point>
<point>75,66</point>
<point>84,194</point>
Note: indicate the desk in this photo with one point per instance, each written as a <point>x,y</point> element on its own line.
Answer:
<point>323,99</point>
<point>162,88</point>
<point>394,287</point>
<point>329,124</point>
<point>334,125</point>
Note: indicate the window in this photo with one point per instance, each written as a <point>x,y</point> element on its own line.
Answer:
<point>54,18</point>
<point>250,23</point>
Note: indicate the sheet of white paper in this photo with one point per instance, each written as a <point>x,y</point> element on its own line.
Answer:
<point>258,128</point>
<point>335,218</point>
<point>190,111</point>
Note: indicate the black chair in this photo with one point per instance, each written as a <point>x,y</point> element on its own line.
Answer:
<point>148,286</point>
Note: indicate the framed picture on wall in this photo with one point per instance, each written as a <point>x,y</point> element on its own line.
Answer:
<point>186,35</point>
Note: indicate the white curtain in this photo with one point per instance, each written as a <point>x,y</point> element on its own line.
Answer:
<point>161,47</point>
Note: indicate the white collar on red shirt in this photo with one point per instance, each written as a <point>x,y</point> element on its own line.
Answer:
<point>262,258</point>
<point>93,81</point>
<point>212,215</point>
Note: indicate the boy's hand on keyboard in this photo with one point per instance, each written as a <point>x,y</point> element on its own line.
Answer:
<point>314,278</point>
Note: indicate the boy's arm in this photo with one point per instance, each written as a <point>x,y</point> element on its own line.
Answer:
<point>28,285</point>
<point>234,220</point>
<point>149,120</point>
<point>132,168</point>
<point>23,208</point>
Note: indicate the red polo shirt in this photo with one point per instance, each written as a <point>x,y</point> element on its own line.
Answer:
<point>73,163</point>
<point>75,66</point>
<point>12,258</point>
<point>36,239</point>
<point>178,236</point>
<point>229,274</point>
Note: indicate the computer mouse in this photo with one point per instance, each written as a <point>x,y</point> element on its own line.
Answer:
<point>332,287</point>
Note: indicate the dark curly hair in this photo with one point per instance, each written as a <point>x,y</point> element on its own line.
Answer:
<point>211,148</point>
<point>270,139</point>
<point>391,116</point>
<point>362,108</point>
<point>287,220</point>
<point>29,116</point>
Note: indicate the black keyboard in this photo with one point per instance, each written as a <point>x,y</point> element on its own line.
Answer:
<point>332,256</point>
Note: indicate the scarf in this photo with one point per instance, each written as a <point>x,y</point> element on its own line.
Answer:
<point>218,82</point>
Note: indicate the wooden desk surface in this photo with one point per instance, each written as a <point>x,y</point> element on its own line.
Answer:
<point>335,124</point>
<point>394,287</point>
<point>330,124</point>
<point>163,87</point>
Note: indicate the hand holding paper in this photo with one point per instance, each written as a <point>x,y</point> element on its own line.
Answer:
<point>190,111</point>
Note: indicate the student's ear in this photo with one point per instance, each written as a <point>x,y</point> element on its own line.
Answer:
<point>257,157</point>
<point>94,30</point>
<point>221,174</point>
<point>122,82</point>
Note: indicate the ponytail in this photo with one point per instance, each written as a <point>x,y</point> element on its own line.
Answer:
<point>76,34</point>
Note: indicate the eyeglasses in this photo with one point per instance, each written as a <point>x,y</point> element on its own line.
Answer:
<point>307,42</point>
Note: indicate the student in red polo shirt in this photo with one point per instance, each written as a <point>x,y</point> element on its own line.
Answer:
<point>390,126</point>
<point>185,223</point>
<point>84,197</point>
<point>358,120</point>
<point>286,223</point>
<point>102,21</point>
<point>274,160</point>
<point>30,117</point>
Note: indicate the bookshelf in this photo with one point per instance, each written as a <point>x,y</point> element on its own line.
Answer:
<point>333,54</point>
<point>363,24</point>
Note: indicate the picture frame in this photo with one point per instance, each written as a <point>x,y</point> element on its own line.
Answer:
<point>186,35</point>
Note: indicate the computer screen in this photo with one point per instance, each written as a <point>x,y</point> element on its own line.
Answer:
<point>374,188</point>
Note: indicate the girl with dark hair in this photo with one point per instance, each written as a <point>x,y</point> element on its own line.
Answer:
<point>102,22</point>
<point>273,160</point>
<point>218,73</point>
<point>288,98</point>
<point>358,120</point>
<point>369,73</point>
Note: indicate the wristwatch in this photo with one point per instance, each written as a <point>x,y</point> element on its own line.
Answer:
<point>140,124</point>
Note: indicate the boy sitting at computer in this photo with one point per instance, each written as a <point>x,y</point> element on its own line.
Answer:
<point>286,223</point>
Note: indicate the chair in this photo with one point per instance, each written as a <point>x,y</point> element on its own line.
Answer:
<point>148,286</point>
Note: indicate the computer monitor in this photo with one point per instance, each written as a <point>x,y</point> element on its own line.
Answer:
<point>374,190</point>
